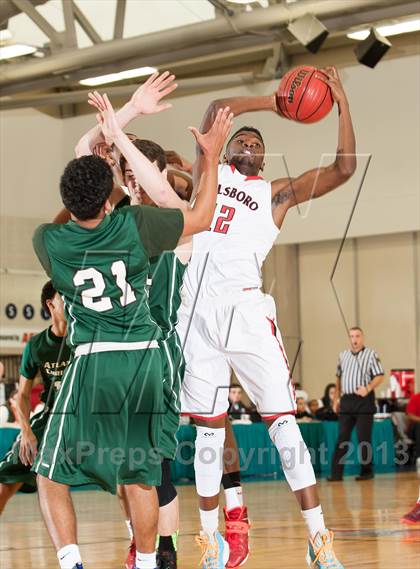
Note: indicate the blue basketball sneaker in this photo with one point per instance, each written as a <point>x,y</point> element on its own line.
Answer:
<point>320,552</point>
<point>78,566</point>
<point>214,550</point>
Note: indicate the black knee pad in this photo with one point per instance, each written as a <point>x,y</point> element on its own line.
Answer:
<point>166,491</point>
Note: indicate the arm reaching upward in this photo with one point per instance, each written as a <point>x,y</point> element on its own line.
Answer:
<point>317,182</point>
<point>238,106</point>
<point>211,144</point>
<point>145,101</point>
<point>199,217</point>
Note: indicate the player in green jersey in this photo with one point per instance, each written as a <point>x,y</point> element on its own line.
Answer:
<point>110,403</point>
<point>47,353</point>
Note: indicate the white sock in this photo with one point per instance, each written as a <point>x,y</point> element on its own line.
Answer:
<point>146,560</point>
<point>233,497</point>
<point>130,529</point>
<point>314,519</point>
<point>209,520</point>
<point>418,501</point>
<point>68,556</point>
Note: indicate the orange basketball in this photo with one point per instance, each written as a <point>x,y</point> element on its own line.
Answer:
<point>302,96</point>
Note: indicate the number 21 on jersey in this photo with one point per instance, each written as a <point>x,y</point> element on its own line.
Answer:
<point>223,221</point>
<point>92,297</point>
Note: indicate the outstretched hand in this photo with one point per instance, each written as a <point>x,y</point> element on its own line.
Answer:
<point>212,142</point>
<point>333,80</point>
<point>106,116</point>
<point>146,99</point>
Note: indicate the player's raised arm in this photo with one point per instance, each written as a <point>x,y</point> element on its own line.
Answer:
<point>146,174</point>
<point>238,106</point>
<point>145,101</point>
<point>315,183</point>
<point>199,217</point>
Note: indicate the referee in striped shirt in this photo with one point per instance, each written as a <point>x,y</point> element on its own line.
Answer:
<point>359,371</point>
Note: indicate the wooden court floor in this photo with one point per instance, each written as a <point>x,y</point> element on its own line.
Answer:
<point>365,517</point>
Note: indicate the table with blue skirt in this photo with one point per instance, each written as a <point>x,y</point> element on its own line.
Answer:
<point>259,458</point>
<point>7,438</point>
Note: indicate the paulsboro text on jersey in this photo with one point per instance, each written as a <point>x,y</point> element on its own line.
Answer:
<point>239,195</point>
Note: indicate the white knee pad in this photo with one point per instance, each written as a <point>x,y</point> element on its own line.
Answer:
<point>294,454</point>
<point>208,462</point>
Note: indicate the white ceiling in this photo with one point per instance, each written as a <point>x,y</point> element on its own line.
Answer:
<point>141,17</point>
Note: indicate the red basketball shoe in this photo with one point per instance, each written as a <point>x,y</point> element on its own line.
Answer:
<point>237,535</point>
<point>130,562</point>
<point>413,517</point>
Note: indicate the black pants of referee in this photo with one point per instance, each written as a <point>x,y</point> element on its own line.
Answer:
<point>355,411</point>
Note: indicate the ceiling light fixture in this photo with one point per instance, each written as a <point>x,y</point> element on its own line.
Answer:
<point>113,77</point>
<point>16,50</point>
<point>388,30</point>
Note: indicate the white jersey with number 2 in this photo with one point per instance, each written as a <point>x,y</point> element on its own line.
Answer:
<point>229,256</point>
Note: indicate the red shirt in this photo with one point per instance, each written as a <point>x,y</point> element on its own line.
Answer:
<point>413,406</point>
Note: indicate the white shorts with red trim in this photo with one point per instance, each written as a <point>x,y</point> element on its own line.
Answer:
<point>236,333</point>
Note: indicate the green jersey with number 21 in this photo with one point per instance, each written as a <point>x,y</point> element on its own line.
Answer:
<point>102,272</point>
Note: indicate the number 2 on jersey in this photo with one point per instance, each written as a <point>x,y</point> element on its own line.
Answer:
<point>92,297</point>
<point>223,221</point>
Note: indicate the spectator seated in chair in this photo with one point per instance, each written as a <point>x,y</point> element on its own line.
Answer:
<point>313,406</point>
<point>302,414</point>
<point>326,411</point>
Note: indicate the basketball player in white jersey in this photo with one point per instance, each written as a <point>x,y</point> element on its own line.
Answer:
<point>227,323</point>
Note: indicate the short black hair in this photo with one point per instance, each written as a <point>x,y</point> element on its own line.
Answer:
<point>48,292</point>
<point>85,186</point>
<point>153,151</point>
<point>246,129</point>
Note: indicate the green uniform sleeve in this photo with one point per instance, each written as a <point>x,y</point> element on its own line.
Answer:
<point>160,229</point>
<point>40,249</point>
<point>28,367</point>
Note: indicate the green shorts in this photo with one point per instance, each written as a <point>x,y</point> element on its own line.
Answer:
<point>12,470</point>
<point>106,422</point>
<point>174,374</point>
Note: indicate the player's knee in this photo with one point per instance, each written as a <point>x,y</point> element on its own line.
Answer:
<point>166,491</point>
<point>208,461</point>
<point>294,454</point>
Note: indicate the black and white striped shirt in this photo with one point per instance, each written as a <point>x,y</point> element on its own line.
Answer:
<point>357,369</point>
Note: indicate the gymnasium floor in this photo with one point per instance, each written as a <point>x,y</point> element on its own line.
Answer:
<point>364,515</point>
